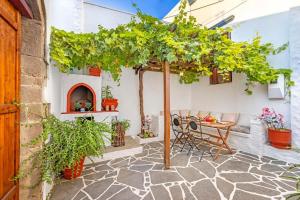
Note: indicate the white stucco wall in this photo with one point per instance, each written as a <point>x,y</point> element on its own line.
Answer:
<point>230,97</point>
<point>209,13</point>
<point>127,92</point>
<point>67,15</point>
<point>109,18</point>
<point>294,37</point>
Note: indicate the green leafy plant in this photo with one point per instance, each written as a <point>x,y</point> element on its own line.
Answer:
<point>296,194</point>
<point>78,105</point>
<point>191,50</point>
<point>106,92</point>
<point>146,134</point>
<point>124,123</point>
<point>63,144</point>
<point>88,106</point>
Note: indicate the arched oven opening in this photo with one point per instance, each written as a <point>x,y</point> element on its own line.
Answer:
<point>81,98</point>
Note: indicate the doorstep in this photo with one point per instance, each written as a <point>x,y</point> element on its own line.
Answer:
<point>132,147</point>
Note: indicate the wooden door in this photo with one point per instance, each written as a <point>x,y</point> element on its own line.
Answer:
<point>9,95</point>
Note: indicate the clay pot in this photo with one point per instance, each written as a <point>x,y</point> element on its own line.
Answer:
<point>280,138</point>
<point>94,71</point>
<point>70,173</point>
<point>112,104</point>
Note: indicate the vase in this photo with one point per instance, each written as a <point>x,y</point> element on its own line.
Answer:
<point>111,104</point>
<point>71,173</point>
<point>280,138</point>
<point>94,71</point>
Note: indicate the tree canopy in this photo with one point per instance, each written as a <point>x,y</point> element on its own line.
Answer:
<point>191,49</point>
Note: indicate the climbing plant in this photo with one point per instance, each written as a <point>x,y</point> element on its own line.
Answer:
<point>190,48</point>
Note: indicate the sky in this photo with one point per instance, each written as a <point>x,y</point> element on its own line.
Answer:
<point>156,8</point>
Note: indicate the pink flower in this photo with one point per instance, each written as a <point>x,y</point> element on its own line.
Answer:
<point>280,116</point>
<point>266,111</point>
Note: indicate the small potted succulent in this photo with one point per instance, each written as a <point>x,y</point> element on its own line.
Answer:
<point>94,71</point>
<point>77,106</point>
<point>109,103</point>
<point>278,135</point>
<point>88,106</point>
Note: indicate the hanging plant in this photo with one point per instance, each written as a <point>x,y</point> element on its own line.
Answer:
<point>189,48</point>
<point>64,143</point>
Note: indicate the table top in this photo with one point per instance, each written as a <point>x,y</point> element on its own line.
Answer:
<point>217,124</point>
<point>223,124</point>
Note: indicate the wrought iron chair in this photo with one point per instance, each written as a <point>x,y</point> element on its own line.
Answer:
<point>196,136</point>
<point>180,130</point>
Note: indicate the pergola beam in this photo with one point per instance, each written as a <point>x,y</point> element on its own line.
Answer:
<point>166,68</point>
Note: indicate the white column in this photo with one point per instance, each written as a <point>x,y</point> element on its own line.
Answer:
<point>294,42</point>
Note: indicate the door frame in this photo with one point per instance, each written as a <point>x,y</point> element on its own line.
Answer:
<point>21,8</point>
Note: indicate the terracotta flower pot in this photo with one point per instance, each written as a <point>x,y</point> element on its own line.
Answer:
<point>112,104</point>
<point>70,173</point>
<point>280,138</point>
<point>94,71</point>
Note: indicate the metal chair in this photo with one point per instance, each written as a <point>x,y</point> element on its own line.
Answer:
<point>196,136</point>
<point>179,130</point>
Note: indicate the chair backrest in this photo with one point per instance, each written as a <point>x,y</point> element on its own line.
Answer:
<point>175,122</point>
<point>195,125</point>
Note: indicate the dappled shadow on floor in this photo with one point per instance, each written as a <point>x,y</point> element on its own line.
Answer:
<point>240,176</point>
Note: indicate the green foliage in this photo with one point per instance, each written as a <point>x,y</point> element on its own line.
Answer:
<point>106,92</point>
<point>296,194</point>
<point>124,123</point>
<point>77,105</point>
<point>182,43</point>
<point>88,106</point>
<point>63,144</point>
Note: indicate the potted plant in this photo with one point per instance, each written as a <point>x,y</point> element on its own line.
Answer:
<point>119,128</point>
<point>88,106</point>
<point>278,135</point>
<point>77,106</point>
<point>94,71</point>
<point>109,103</point>
<point>65,145</point>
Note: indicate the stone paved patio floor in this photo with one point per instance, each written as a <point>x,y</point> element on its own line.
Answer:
<point>241,176</point>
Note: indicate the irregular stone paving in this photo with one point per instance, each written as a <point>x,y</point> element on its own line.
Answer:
<point>240,176</point>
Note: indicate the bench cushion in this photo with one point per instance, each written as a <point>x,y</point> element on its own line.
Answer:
<point>230,117</point>
<point>241,129</point>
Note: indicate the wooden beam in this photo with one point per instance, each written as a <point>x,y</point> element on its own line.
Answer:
<point>22,7</point>
<point>166,67</point>
<point>141,95</point>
